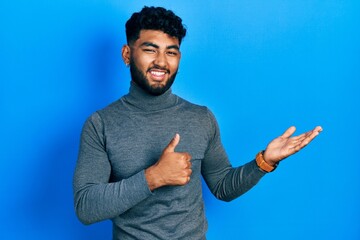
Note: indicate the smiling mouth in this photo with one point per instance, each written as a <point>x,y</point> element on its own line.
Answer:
<point>158,74</point>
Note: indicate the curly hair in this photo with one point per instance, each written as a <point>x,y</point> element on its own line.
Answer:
<point>154,18</point>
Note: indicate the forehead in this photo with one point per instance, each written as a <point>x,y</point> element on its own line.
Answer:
<point>157,37</point>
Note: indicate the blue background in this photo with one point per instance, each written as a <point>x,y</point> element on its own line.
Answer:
<point>261,66</point>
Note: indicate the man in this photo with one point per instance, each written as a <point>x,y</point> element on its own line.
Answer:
<point>142,157</point>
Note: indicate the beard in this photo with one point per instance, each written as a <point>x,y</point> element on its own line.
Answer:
<point>141,80</point>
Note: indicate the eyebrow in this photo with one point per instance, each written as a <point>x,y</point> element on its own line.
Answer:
<point>150,44</point>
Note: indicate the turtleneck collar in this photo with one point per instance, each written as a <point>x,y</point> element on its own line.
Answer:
<point>140,99</point>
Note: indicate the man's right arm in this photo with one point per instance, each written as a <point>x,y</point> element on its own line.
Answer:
<point>96,198</point>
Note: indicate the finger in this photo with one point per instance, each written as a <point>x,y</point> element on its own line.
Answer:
<point>173,143</point>
<point>303,140</point>
<point>189,165</point>
<point>306,140</point>
<point>302,136</point>
<point>298,138</point>
<point>184,160</point>
<point>184,156</point>
<point>311,136</point>
<point>306,134</point>
<point>186,178</point>
<point>290,131</point>
<point>318,129</point>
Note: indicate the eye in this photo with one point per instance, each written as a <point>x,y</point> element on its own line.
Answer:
<point>149,50</point>
<point>172,53</point>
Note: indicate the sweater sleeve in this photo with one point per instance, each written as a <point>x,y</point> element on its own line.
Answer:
<point>96,198</point>
<point>224,181</point>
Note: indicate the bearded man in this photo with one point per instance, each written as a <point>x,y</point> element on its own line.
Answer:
<point>141,158</point>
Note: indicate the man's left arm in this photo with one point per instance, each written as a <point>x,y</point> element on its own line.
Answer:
<point>224,181</point>
<point>227,182</point>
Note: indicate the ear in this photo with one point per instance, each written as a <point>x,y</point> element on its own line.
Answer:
<point>125,53</point>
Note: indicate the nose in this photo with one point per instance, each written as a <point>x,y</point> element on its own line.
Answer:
<point>160,60</point>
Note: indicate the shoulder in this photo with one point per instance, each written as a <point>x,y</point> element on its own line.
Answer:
<point>202,113</point>
<point>111,112</point>
<point>98,118</point>
<point>200,109</point>
<point>192,107</point>
<point>111,109</point>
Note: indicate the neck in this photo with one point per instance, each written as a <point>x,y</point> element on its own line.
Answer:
<point>143,100</point>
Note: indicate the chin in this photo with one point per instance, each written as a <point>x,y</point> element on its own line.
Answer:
<point>156,91</point>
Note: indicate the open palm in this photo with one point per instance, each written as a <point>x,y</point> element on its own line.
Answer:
<point>286,145</point>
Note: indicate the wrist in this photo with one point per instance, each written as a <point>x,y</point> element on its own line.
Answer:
<point>263,164</point>
<point>271,163</point>
<point>152,178</point>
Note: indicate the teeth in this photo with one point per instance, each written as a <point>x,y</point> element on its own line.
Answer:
<point>157,73</point>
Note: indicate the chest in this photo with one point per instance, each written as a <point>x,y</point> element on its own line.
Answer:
<point>136,141</point>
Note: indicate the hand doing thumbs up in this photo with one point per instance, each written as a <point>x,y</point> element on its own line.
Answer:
<point>173,143</point>
<point>172,168</point>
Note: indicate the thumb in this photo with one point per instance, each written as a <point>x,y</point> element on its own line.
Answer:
<point>290,131</point>
<point>173,143</point>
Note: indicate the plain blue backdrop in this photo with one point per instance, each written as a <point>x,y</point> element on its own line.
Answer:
<point>261,66</point>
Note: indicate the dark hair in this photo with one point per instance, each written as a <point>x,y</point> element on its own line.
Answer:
<point>154,18</point>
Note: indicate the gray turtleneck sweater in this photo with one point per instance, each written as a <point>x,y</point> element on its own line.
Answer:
<point>120,141</point>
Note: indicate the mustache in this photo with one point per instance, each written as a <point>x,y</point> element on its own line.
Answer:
<point>156,67</point>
